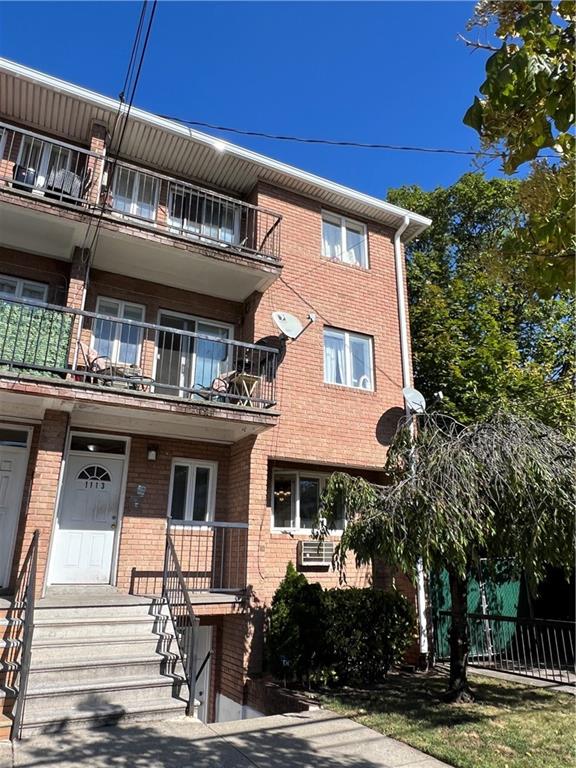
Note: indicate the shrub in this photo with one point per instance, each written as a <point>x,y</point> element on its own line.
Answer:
<point>339,635</point>
<point>368,632</point>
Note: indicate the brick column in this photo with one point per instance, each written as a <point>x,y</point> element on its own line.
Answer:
<point>44,488</point>
<point>98,140</point>
<point>74,298</point>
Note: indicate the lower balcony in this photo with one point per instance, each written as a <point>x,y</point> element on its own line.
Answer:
<point>140,365</point>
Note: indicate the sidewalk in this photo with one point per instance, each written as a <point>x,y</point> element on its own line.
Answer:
<point>318,739</point>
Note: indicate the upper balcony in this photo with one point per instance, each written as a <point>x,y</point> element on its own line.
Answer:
<point>121,370</point>
<point>153,226</point>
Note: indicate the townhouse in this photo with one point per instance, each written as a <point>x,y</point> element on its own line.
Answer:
<point>192,338</point>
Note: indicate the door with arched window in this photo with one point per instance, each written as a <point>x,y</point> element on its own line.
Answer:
<point>87,519</point>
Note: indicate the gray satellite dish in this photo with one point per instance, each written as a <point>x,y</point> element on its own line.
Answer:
<point>289,325</point>
<point>414,400</point>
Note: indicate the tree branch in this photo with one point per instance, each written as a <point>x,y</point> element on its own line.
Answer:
<point>478,45</point>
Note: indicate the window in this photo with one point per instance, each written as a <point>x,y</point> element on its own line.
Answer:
<point>199,213</point>
<point>348,359</point>
<point>192,490</point>
<point>118,341</point>
<point>42,158</point>
<point>134,193</point>
<point>22,289</point>
<point>296,501</point>
<point>344,240</point>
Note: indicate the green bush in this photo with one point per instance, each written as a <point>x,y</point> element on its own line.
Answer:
<point>32,336</point>
<point>335,636</point>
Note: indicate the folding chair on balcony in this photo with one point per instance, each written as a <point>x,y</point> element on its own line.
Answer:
<point>93,363</point>
<point>219,388</point>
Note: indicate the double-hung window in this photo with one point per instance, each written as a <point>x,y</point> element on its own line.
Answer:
<point>121,342</point>
<point>22,289</point>
<point>192,490</point>
<point>135,193</point>
<point>348,359</point>
<point>296,501</point>
<point>344,240</point>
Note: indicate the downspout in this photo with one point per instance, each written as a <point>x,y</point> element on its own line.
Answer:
<point>407,382</point>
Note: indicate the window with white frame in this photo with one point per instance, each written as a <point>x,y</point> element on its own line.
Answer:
<point>135,193</point>
<point>344,240</point>
<point>348,359</point>
<point>296,501</point>
<point>192,490</point>
<point>22,289</point>
<point>121,342</point>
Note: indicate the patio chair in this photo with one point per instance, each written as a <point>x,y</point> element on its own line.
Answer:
<point>94,363</point>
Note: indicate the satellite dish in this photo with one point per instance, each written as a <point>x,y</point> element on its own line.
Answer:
<point>414,400</point>
<point>289,325</point>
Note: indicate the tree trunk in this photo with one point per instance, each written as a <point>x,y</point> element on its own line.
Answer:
<point>458,689</point>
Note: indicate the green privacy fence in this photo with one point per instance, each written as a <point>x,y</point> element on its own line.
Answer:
<point>491,591</point>
<point>33,340</point>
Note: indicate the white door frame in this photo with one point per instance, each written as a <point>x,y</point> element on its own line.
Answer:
<point>207,671</point>
<point>126,458</point>
<point>26,452</point>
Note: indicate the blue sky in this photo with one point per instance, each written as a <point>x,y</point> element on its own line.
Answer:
<point>387,72</point>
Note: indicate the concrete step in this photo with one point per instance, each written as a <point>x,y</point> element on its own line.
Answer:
<point>7,699</point>
<point>9,673</point>
<point>96,627</point>
<point>56,705</point>
<point>104,715</point>
<point>62,674</point>
<point>71,612</point>
<point>92,649</point>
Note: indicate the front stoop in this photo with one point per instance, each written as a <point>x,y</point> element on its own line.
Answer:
<point>101,658</point>
<point>10,643</point>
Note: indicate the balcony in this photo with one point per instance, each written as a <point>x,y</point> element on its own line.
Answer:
<point>152,226</point>
<point>192,213</point>
<point>134,359</point>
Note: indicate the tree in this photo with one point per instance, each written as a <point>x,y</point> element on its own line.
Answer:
<point>481,333</point>
<point>502,487</point>
<point>525,108</point>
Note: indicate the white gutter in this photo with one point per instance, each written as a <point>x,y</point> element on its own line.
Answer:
<point>407,382</point>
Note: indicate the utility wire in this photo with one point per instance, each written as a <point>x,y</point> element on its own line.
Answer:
<point>131,80</point>
<point>337,142</point>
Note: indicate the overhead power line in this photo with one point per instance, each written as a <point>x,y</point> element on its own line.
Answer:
<point>336,142</point>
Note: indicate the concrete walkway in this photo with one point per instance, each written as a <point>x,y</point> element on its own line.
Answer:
<point>319,739</point>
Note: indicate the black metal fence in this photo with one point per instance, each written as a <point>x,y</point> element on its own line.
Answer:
<point>120,353</point>
<point>539,648</point>
<point>213,555</point>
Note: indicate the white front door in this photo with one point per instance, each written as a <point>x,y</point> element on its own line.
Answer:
<point>203,642</point>
<point>12,474</point>
<point>87,520</point>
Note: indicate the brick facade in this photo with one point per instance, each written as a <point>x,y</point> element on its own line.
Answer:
<point>322,427</point>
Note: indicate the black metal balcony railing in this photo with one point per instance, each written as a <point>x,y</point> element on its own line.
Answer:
<point>193,213</point>
<point>47,168</point>
<point>212,554</point>
<point>96,349</point>
<point>64,173</point>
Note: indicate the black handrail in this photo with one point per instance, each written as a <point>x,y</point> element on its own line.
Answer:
<point>24,606</point>
<point>175,592</point>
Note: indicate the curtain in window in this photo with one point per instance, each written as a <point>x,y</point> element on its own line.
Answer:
<point>211,356</point>
<point>334,359</point>
<point>332,237</point>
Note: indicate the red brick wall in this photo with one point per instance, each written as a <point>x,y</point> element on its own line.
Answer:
<point>42,269</point>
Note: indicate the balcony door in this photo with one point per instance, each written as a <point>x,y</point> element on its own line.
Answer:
<point>43,158</point>
<point>207,216</point>
<point>186,363</point>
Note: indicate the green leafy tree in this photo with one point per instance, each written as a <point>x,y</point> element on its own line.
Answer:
<point>502,487</point>
<point>526,107</point>
<point>480,332</point>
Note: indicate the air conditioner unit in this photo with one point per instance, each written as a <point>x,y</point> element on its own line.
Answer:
<point>315,553</point>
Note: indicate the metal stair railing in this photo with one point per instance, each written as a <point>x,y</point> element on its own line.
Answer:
<point>23,606</point>
<point>175,592</point>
